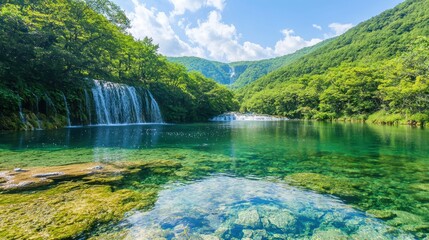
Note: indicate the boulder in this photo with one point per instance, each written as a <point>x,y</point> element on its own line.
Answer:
<point>248,218</point>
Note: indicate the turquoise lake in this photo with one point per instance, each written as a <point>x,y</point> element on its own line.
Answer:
<point>255,180</point>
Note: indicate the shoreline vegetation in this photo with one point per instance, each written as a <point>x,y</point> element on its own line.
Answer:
<point>376,69</point>
<point>52,51</point>
<point>375,72</point>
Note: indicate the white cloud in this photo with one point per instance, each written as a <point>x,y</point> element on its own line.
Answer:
<point>211,38</point>
<point>291,43</point>
<point>339,28</point>
<point>218,4</point>
<point>318,27</point>
<point>221,41</point>
<point>147,22</point>
<point>181,6</point>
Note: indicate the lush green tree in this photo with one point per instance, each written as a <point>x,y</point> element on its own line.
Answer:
<point>51,48</point>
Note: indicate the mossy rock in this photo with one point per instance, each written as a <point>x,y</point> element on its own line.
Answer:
<point>67,210</point>
<point>382,214</point>
<point>323,184</point>
<point>111,236</point>
<point>420,186</point>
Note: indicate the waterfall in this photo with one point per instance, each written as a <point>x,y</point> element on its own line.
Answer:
<point>67,110</point>
<point>21,114</point>
<point>155,113</point>
<point>50,105</point>
<point>116,103</point>
<point>231,75</point>
<point>39,125</point>
<point>88,106</point>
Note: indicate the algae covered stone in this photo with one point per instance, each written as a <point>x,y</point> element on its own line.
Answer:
<point>85,196</point>
<point>66,211</point>
<point>324,184</point>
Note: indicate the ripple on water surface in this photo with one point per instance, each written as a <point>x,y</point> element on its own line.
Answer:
<point>224,207</point>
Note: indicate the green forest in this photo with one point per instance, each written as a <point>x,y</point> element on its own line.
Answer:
<point>239,74</point>
<point>52,49</point>
<point>377,71</point>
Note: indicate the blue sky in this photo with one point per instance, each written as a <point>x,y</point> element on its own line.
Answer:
<point>235,30</point>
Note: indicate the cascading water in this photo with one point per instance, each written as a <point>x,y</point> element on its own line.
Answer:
<point>21,114</point>
<point>122,104</point>
<point>231,75</point>
<point>67,110</point>
<point>50,106</point>
<point>88,106</point>
<point>155,113</point>
<point>39,125</point>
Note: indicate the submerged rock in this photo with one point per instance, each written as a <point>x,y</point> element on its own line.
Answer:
<point>283,220</point>
<point>19,170</point>
<point>67,210</point>
<point>98,167</point>
<point>231,208</point>
<point>382,214</point>
<point>323,184</point>
<point>331,234</point>
<point>41,176</point>
<point>248,218</point>
<point>70,209</point>
<point>50,174</point>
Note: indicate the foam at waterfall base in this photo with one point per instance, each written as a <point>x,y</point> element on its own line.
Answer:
<point>229,117</point>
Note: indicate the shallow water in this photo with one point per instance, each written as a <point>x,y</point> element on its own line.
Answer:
<point>354,168</point>
<point>227,208</point>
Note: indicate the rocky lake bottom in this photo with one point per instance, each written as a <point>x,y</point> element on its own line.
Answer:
<point>252,180</point>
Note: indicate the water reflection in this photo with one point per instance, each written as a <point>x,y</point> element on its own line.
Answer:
<point>385,168</point>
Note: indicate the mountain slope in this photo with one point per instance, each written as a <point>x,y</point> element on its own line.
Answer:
<point>371,54</point>
<point>239,74</point>
<point>248,72</point>
<point>218,71</point>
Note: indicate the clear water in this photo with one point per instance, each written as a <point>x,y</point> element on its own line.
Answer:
<point>226,207</point>
<point>346,173</point>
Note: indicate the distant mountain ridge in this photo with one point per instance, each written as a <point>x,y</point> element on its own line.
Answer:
<point>376,71</point>
<point>239,74</point>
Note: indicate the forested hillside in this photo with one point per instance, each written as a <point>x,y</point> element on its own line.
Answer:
<point>377,70</point>
<point>220,72</point>
<point>239,74</point>
<point>50,50</point>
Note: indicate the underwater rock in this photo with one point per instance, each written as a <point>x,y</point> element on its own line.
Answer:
<point>331,234</point>
<point>248,218</point>
<point>50,175</point>
<point>19,170</point>
<point>255,234</point>
<point>323,184</point>
<point>98,167</point>
<point>237,208</point>
<point>209,237</point>
<point>421,186</point>
<point>382,214</point>
<point>67,210</point>
<point>41,176</point>
<point>282,220</point>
